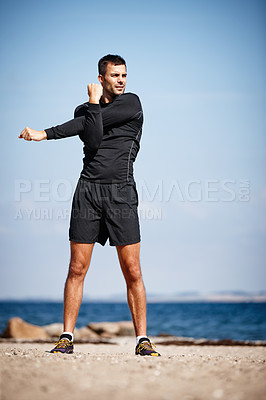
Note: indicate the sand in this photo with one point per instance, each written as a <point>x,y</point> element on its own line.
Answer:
<point>112,371</point>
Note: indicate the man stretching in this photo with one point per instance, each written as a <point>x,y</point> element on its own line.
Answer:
<point>105,200</point>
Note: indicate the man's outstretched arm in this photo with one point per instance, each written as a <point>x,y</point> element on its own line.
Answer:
<point>88,127</point>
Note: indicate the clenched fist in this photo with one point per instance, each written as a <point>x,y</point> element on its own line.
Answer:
<point>31,134</point>
<point>95,92</point>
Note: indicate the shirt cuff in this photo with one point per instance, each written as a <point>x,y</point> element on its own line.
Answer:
<point>93,107</point>
<point>50,133</point>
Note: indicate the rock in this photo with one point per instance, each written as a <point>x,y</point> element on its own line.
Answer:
<point>112,329</point>
<point>19,329</point>
<point>126,328</point>
<point>104,329</point>
<point>54,330</point>
<point>85,333</point>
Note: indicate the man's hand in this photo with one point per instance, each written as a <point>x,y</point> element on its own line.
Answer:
<point>31,134</point>
<point>95,92</point>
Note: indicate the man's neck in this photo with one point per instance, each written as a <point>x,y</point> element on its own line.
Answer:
<point>107,98</point>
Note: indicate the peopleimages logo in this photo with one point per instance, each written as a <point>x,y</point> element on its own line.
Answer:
<point>43,190</point>
<point>153,197</point>
<point>194,190</point>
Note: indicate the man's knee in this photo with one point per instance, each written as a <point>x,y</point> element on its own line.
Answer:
<point>132,271</point>
<point>77,269</point>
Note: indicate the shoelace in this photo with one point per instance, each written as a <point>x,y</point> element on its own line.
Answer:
<point>60,344</point>
<point>146,345</point>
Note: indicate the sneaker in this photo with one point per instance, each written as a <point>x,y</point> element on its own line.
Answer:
<point>146,348</point>
<point>63,346</point>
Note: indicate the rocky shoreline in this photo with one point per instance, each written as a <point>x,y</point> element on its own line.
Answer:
<point>20,331</point>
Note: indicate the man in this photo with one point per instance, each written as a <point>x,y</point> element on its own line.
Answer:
<point>105,200</point>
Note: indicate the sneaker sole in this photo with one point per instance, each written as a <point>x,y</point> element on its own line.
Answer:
<point>61,352</point>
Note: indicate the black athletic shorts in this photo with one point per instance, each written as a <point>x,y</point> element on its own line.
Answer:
<point>102,210</point>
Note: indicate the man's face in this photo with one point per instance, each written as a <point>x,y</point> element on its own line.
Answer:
<point>114,81</point>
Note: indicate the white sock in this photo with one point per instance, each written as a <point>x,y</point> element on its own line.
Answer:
<point>140,337</point>
<point>70,334</point>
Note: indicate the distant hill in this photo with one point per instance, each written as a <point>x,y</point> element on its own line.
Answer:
<point>193,296</point>
<point>226,296</point>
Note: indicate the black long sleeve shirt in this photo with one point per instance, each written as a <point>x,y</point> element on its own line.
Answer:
<point>111,134</point>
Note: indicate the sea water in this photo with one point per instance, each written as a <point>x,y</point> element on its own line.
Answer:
<point>237,321</point>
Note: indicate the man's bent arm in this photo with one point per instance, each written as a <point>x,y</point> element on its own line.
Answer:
<point>124,108</point>
<point>92,133</point>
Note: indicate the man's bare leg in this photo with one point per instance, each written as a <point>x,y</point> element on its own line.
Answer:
<point>78,267</point>
<point>130,264</point>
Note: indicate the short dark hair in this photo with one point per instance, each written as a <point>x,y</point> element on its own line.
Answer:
<point>113,59</point>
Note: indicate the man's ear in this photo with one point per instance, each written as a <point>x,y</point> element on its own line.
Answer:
<point>101,78</point>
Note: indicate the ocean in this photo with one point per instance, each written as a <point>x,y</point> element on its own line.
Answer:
<point>236,321</point>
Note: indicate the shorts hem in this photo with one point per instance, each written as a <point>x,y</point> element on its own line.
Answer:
<point>82,241</point>
<point>125,243</point>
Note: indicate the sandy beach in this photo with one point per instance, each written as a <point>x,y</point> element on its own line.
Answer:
<point>103,371</point>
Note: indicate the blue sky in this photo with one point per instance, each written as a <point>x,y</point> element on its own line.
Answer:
<point>199,69</point>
